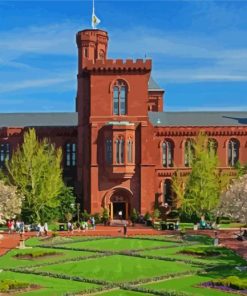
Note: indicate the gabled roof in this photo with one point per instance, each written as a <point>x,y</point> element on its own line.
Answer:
<point>153,85</point>
<point>200,118</point>
<point>38,119</point>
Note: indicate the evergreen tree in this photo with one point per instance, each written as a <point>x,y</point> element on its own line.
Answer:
<point>35,169</point>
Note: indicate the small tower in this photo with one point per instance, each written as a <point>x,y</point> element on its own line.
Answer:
<point>92,46</point>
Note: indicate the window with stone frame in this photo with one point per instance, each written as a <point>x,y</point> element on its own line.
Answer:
<point>167,191</point>
<point>70,154</point>
<point>108,151</point>
<point>212,146</point>
<point>189,152</point>
<point>233,152</point>
<point>4,153</point>
<point>167,153</point>
<point>130,150</point>
<point>120,98</point>
<point>119,148</point>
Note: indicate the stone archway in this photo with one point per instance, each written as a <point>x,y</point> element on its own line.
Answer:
<point>118,201</point>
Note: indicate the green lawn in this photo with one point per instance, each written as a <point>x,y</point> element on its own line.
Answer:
<point>48,286</point>
<point>118,244</point>
<point>187,284</point>
<point>118,268</point>
<point>229,257</point>
<point>9,260</point>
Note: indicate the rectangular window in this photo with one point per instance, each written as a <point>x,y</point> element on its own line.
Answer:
<point>115,101</point>
<point>109,151</point>
<point>123,101</point>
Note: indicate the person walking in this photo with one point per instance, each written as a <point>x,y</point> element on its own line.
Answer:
<point>125,229</point>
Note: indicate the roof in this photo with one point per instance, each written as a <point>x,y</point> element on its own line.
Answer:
<point>198,118</point>
<point>153,85</point>
<point>38,119</point>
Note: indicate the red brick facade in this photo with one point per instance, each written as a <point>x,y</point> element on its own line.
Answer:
<point>124,160</point>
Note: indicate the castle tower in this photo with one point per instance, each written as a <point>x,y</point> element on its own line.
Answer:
<point>112,106</point>
<point>92,46</point>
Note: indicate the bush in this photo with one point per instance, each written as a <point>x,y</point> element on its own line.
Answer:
<point>233,282</point>
<point>85,216</point>
<point>97,218</point>
<point>37,254</point>
<point>8,285</point>
<point>204,251</point>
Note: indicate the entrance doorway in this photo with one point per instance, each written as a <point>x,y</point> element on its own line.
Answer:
<point>119,206</point>
<point>119,210</point>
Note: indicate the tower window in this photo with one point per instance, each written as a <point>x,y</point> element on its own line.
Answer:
<point>167,191</point>
<point>108,151</point>
<point>70,155</point>
<point>120,151</point>
<point>233,152</point>
<point>4,153</point>
<point>120,98</point>
<point>130,151</point>
<point>167,154</point>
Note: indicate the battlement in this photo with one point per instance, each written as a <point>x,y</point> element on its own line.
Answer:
<point>91,36</point>
<point>119,64</point>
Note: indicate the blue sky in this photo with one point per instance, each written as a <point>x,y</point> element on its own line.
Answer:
<point>198,48</point>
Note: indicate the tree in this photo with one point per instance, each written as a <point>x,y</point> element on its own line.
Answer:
<point>66,208</point>
<point>36,172</point>
<point>10,201</point>
<point>204,184</point>
<point>233,201</point>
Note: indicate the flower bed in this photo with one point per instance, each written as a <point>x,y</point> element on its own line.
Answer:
<point>229,284</point>
<point>204,251</point>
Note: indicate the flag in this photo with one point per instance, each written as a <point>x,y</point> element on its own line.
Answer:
<point>95,21</point>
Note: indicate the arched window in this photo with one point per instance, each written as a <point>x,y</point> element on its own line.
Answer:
<point>167,154</point>
<point>108,151</point>
<point>233,152</point>
<point>4,153</point>
<point>212,146</point>
<point>167,191</point>
<point>189,152</point>
<point>70,154</point>
<point>119,151</point>
<point>120,98</point>
<point>130,150</point>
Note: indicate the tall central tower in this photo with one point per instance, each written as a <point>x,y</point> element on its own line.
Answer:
<point>112,101</point>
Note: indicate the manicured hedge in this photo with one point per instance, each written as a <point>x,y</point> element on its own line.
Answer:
<point>10,285</point>
<point>233,282</point>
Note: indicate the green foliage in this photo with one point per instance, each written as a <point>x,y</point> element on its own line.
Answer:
<point>37,254</point>
<point>134,216</point>
<point>85,215</point>
<point>233,282</point>
<point>204,251</point>
<point>66,208</point>
<point>147,216</point>
<point>156,214</point>
<point>9,285</point>
<point>241,169</point>
<point>35,169</point>
<point>97,218</point>
<point>204,184</point>
<point>105,215</point>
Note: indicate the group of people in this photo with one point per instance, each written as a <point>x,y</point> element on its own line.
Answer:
<point>15,226</point>
<point>83,225</point>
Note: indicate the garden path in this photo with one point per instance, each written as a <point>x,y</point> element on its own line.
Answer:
<point>227,237</point>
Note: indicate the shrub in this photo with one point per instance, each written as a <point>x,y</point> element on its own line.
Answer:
<point>37,254</point>
<point>204,251</point>
<point>233,282</point>
<point>8,285</point>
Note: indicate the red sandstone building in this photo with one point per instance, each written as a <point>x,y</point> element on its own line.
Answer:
<point>120,148</point>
